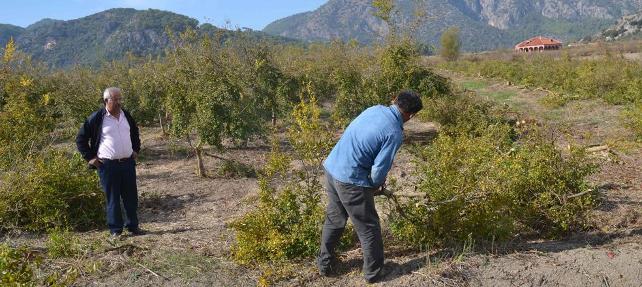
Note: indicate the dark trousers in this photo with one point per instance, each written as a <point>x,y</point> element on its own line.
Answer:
<point>347,200</point>
<point>118,180</point>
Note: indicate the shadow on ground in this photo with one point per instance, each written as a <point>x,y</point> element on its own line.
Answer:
<point>155,207</point>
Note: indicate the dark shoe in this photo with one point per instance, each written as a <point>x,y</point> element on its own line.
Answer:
<point>137,232</point>
<point>385,270</point>
<point>328,270</point>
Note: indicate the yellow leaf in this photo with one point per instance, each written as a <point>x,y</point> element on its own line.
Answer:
<point>46,98</point>
<point>9,49</point>
<point>25,82</point>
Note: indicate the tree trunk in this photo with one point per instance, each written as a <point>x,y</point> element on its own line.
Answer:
<point>160,121</point>
<point>167,121</point>
<point>273,118</point>
<point>200,171</point>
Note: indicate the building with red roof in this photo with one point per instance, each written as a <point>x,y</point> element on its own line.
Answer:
<point>538,43</point>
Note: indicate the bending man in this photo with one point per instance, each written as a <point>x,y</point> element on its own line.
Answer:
<point>356,168</point>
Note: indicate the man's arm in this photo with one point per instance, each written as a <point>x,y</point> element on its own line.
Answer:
<point>383,161</point>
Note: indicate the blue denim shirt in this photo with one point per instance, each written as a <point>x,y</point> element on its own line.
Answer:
<point>364,154</point>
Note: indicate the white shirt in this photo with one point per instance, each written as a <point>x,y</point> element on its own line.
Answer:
<point>115,140</point>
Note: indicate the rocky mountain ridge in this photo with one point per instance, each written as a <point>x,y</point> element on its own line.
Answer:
<point>484,24</point>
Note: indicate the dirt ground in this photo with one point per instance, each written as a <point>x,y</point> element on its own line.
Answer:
<point>188,242</point>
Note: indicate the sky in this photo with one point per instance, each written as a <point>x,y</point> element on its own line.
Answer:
<point>254,14</point>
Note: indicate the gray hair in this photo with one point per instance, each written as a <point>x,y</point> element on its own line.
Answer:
<point>110,91</point>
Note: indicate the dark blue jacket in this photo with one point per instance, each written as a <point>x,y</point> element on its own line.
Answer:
<point>88,136</point>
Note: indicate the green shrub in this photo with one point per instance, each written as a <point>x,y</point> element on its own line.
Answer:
<point>632,117</point>
<point>287,220</point>
<point>51,190</point>
<point>61,243</point>
<point>396,69</point>
<point>450,44</point>
<point>554,100</point>
<point>351,98</point>
<point>614,79</point>
<point>400,70</point>
<point>485,178</point>
<point>16,266</point>
<point>492,188</point>
<point>25,121</point>
<point>462,113</point>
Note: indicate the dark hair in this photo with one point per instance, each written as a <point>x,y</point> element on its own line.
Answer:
<point>409,102</point>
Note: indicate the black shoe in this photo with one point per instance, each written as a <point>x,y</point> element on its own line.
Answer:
<point>137,232</point>
<point>385,270</point>
<point>328,270</point>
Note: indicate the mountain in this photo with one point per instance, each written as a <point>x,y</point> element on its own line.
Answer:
<point>628,27</point>
<point>484,24</point>
<point>9,31</point>
<point>107,35</point>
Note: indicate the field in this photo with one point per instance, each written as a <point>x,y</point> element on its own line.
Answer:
<point>191,219</point>
<point>189,242</point>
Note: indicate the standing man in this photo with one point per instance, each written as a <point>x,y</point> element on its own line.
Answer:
<point>110,142</point>
<point>356,168</point>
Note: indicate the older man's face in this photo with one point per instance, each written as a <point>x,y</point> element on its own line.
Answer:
<point>114,103</point>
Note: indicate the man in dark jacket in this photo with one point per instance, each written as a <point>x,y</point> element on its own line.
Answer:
<point>109,140</point>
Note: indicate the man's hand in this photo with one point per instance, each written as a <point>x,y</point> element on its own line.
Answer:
<point>134,155</point>
<point>95,162</point>
<point>383,185</point>
<point>381,190</point>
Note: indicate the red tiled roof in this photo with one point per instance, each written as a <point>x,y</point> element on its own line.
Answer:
<point>538,41</point>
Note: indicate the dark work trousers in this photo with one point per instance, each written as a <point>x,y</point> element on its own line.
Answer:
<point>347,200</point>
<point>118,180</point>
